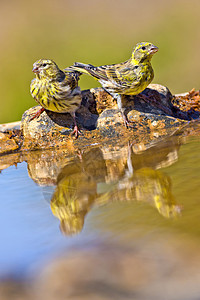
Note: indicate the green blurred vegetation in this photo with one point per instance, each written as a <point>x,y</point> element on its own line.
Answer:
<point>97,32</point>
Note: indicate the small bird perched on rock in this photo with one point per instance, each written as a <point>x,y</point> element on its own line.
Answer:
<point>56,90</point>
<point>128,78</point>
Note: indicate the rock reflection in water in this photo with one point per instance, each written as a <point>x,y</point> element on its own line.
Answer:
<point>101,175</point>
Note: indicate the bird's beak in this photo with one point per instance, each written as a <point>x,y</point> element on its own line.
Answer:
<point>153,50</point>
<point>36,70</point>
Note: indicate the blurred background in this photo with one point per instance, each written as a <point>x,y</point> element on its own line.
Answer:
<point>96,32</point>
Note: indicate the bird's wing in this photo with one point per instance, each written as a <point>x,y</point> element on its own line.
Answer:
<point>71,77</point>
<point>122,74</point>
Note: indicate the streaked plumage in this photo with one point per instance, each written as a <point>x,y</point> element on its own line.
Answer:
<point>56,90</point>
<point>128,78</point>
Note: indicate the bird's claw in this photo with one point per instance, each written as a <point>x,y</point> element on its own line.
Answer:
<point>127,122</point>
<point>76,132</point>
<point>37,114</point>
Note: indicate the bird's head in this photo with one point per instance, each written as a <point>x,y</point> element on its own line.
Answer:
<point>45,68</point>
<point>143,51</point>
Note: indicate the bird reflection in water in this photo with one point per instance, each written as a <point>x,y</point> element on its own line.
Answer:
<point>76,190</point>
<point>123,178</point>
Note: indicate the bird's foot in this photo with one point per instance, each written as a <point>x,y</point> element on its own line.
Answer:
<point>76,132</point>
<point>127,122</point>
<point>38,113</point>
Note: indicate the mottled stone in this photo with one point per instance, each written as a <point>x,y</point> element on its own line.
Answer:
<point>53,129</point>
<point>10,126</point>
<point>188,104</point>
<point>99,120</point>
<point>7,143</point>
<point>103,100</point>
<point>147,124</point>
<point>155,92</point>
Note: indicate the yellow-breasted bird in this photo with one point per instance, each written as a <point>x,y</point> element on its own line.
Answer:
<point>56,90</point>
<point>128,78</point>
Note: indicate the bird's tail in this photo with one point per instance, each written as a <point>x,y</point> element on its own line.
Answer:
<point>88,69</point>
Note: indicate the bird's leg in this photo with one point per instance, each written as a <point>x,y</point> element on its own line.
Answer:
<point>76,132</point>
<point>119,103</point>
<point>38,113</point>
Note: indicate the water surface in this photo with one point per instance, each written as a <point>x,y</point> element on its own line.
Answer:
<point>133,217</point>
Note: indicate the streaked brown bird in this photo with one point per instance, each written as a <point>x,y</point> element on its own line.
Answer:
<point>56,90</point>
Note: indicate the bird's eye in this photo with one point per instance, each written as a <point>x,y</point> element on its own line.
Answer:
<point>44,65</point>
<point>143,48</point>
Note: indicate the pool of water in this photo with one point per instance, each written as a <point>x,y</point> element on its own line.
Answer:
<point>132,216</point>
